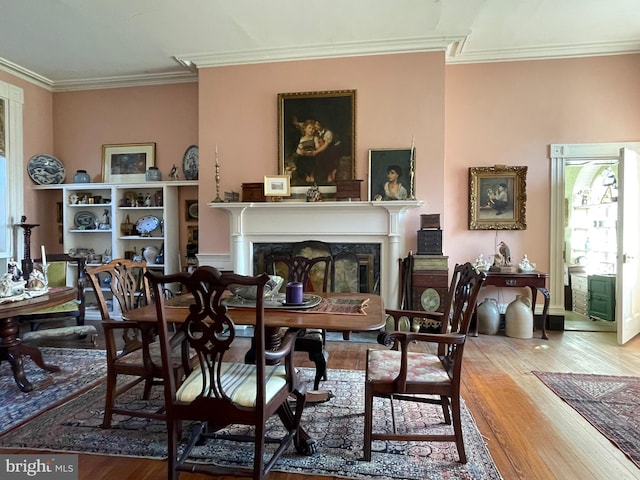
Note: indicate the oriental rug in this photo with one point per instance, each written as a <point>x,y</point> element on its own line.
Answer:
<point>80,370</point>
<point>336,425</point>
<point>610,403</point>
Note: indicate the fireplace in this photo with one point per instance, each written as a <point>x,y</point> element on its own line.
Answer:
<point>378,223</point>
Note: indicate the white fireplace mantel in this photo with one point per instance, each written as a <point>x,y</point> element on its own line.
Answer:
<point>331,222</point>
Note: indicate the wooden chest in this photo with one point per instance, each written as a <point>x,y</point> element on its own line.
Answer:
<point>348,190</point>
<point>253,192</point>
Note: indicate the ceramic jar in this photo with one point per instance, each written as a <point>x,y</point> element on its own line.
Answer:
<point>488,317</point>
<point>81,176</point>
<point>519,318</point>
<point>153,174</point>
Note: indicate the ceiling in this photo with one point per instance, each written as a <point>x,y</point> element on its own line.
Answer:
<point>78,44</point>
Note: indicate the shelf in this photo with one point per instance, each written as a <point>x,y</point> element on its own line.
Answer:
<point>138,237</point>
<point>92,230</point>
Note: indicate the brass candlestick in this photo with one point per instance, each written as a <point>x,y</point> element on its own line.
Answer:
<point>217,199</point>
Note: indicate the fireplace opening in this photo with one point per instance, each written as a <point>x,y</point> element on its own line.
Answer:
<point>356,266</point>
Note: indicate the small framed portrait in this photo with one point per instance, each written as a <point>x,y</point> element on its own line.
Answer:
<point>316,138</point>
<point>127,163</point>
<point>497,198</point>
<point>391,174</point>
<point>277,185</point>
<point>191,210</point>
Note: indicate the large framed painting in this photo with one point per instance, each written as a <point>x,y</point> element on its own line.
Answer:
<point>127,163</point>
<point>316,138</point>
<point>391,174</point>
<point>497,198</point>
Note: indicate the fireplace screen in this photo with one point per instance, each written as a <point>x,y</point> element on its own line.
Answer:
<point>356,267</point>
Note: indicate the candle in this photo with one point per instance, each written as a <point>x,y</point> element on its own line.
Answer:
<point>412,148</point>
<point>44,256</point>
<point>293,294</point>
<point>217,164</point>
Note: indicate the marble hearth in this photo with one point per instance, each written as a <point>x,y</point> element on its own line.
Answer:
<point>331,222</point>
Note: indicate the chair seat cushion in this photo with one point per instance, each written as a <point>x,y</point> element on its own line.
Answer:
<point>67,307</point>
<point>384,366</point>
<point>238,383</point>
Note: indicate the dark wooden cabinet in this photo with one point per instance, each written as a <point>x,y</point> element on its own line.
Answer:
<point>429,282</point>
<point>602,297</point>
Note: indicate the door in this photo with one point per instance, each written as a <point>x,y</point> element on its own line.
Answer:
<point>628,268</point>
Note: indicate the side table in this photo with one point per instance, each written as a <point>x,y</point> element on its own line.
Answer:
<point>536,281</point>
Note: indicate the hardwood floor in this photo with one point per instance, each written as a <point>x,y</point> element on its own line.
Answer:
<point>531,433</point>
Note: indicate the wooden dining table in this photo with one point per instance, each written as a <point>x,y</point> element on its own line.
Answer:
<point>11,347</point>
<point>275,318</point>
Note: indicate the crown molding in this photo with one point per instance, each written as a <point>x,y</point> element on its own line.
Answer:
<point>125,81</point>
<point>315,52</point>
<point>542,52</point>
<point>25,74</point>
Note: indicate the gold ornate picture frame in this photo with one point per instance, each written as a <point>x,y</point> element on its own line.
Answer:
<point>497,198</point>
<point>326,153</point>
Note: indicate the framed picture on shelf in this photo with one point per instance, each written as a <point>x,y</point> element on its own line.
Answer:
<point>391,174</point>
<point>191,210</point>
<point>497,198</point>
<point>127,163</point>
<point>316,139</point>
<point>277,185</point>
<point>192,234</point>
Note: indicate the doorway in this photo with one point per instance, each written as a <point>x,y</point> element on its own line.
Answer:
<point>595,157</point>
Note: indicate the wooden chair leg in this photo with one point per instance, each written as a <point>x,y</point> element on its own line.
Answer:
<point>110,399</point>
<point>457,429</point>
<point>368,424</point>
<point>321,368</point>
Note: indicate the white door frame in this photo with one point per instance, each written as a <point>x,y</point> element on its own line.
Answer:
<point>14,196</point>
<point>560,155</point>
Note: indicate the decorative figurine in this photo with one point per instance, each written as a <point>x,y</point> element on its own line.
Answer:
<point>14,270</point>
<point>525,265</point>
<point>504,250</point>
<point>173,174</point>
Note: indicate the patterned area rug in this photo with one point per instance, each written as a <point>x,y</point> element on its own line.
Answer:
<point>80,369</point>
<point>337,425</point>
<point>609,403</point>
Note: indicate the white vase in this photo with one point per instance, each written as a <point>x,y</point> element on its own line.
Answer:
<point>519,318</point>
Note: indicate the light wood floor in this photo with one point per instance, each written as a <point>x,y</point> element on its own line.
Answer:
<point>531,433</point>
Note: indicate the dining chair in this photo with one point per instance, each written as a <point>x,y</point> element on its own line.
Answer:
<point>218,393</point>
<point>63,270</point>
<point>406,373</point>
<point>313,273</point>
<point>139,357</point>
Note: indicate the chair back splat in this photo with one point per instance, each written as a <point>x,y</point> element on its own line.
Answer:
<point>216,392</point>
<point>408,370</point>
<point>313,273</point>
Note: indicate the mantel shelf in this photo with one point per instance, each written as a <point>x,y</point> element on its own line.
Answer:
<point>331,222</point>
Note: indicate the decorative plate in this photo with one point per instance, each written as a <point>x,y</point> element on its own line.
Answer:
<point>45,169</point>
<point>85,220</point>
<point>193,210</point>
<point>147,224</point>
<point>190,163</point>
<point>430,300</point>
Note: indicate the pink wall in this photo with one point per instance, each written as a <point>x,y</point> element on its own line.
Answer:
<point>397,97</point>
<point>84,121</point>
<point>509,113</point>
